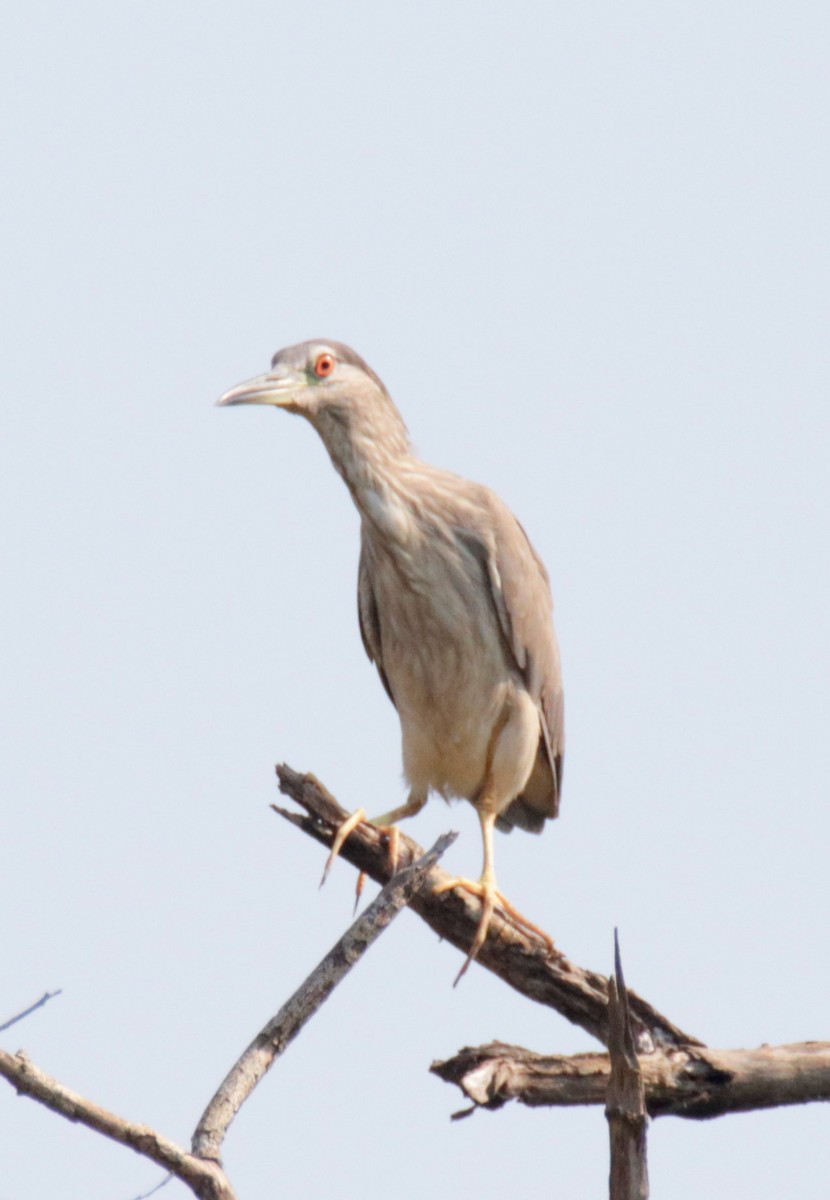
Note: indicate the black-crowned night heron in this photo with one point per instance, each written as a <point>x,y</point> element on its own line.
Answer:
<point>454,604</point>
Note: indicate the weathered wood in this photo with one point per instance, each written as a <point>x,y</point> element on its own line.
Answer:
<point>625,1107</point>
<point>693,1081</point>
<point>205,1179</point>
<point>309,997</point>
<point>511,952</point>
<point>201,1169</point>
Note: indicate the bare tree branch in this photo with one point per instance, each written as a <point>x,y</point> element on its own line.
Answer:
<point>281,1029</point>
<point>205,1179</point>
<point>694,1081</point>
<point>678,1074</point>
<point>45,998</point>
<point>518,957</point>
<point>625,1104</point>
<point>201,1170</point>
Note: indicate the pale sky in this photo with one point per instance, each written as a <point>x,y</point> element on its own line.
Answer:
<point>586,248</point>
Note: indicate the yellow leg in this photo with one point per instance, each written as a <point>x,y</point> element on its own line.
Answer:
<point>385,822</point>
<point>415,802</point>
<point>485,889</point>
<point>489,894</point>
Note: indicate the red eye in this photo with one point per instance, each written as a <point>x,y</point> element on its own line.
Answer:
<point>324,365</point>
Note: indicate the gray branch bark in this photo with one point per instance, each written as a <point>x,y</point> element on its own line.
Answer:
<point>625,1107</point>
<point>512,953</point>
<point>692,1081</point>
<point>298,1010</point>
<point>679,1075</point>
<point>201,1169</point>
<point>205,1179</point>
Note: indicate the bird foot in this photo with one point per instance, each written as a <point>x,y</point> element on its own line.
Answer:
<point>393,845</point>
<point>348,827</point>
<point>489,895</point>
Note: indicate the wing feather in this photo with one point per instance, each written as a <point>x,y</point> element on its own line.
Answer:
<point>522,599</point>
<point>369,618</point>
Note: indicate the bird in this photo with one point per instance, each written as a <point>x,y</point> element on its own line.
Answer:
<point>455,612</point>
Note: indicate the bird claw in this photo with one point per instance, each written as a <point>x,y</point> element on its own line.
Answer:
<point>525,923</point>
<point>489,895</point>
<point>358,889</point>
<point>393,843</point>
<point>348,827</point>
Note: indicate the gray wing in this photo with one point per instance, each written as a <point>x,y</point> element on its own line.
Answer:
<point>367,615</point>
<point>521,595</point>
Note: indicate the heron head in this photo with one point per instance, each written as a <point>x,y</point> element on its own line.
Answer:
<point>330,385</point>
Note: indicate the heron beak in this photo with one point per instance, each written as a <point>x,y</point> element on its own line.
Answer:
<point>277,387</point>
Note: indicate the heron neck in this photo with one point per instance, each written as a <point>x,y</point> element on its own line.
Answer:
<point>376,476</point>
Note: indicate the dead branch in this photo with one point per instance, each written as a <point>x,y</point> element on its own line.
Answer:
<point>511,952</point>
<point>625,1104</point>
<point>205,1179</point>
<point>201,1169</point>
<point>281,1029</point>
<point>691,1081</point>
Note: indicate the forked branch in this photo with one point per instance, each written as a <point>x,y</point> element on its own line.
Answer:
<point>518,957</point>
<point>201,1169</point>
<point>205,1179</point>
<point>298,1010</point>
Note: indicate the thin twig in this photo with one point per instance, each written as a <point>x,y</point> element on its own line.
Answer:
<point>154,1190</point>
<point>45,998</point>
<point>510,951</point>
<point>281,1029</point>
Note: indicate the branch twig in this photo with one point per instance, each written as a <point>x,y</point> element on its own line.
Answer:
<point>281,1029</point>
<point>201,1170</point>
<point>45,998</point>
<point>518,957</point>
<point>205,1179</point>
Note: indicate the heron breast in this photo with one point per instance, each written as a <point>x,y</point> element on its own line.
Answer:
<point>450,678</point>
